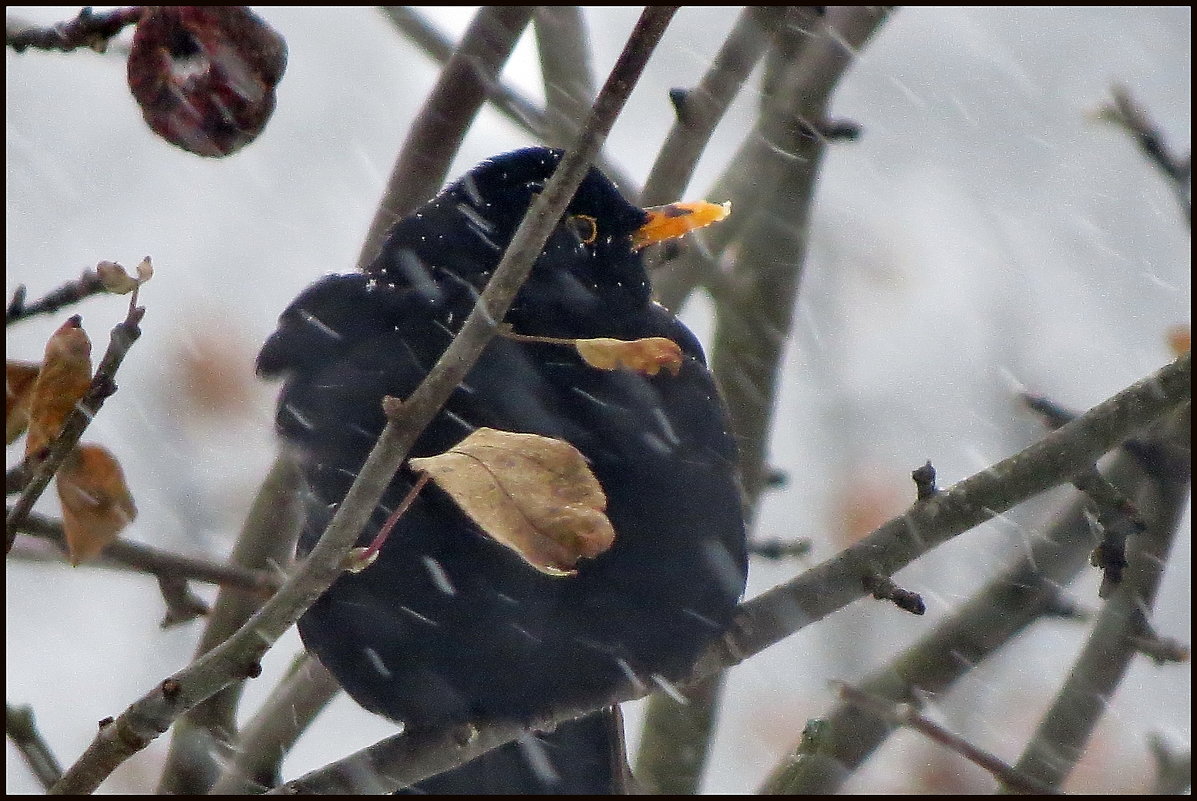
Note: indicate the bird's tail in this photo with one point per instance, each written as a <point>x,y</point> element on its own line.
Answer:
<point>583,756</point>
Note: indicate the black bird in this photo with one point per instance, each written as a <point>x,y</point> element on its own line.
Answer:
<point>448,625</point>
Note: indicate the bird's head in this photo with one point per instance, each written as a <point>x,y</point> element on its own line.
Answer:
<point>590,268</point>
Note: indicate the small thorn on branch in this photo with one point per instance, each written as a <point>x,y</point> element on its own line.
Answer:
<point>924,482</point>
<point>679,98</point>
<point>883,588</point>
<point>1160,649</point>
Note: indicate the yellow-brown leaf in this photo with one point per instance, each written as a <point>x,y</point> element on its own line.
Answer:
<point>96,503</point>
<point>19,378</point>
<point>533,494</point>
<point>63,380</point>
<point>647,356</point>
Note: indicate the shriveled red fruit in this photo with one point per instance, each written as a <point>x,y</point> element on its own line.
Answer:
<point>204,76</point>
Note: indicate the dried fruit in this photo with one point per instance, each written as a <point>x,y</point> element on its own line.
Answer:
<point>204,76</point>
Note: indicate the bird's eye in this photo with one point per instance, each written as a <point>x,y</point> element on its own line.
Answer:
<point>585,226</point>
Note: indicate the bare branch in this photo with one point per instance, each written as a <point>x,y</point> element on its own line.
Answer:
<point>69,293</point>
<point>906,715</point>
<point>90,29</point>
<point>1065,729</point>
<point>1007,605</point>
<point>136,557</point>
<point>564,48</point>
<point>21,728</point>
<point>268,736</point>
<point>204,735</point>
<point>1178,170</point>
<point>469,76</point>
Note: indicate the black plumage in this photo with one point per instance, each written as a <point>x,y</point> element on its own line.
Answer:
<point>449,625</point>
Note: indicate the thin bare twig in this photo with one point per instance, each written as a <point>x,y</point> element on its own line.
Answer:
<point>269,735</point>
<point>907,715</point>
<point>1178,170</point>
<point>91,29</point>
<point>103,384</point>
<point>139,558</point>
<point>238,656</point>
<point>21,728</point>
<point>69,293</point>
<point>564,49</point>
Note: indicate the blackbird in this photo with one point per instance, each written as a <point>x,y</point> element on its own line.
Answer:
<point>448,625</point>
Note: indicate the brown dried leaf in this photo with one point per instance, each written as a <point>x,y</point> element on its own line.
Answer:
<point>96,503</point>
<point>645,356</point>
<point>533,494</point>
<point>63,380</point>
<point>19,378</point>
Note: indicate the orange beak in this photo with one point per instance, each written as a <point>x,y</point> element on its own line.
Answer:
<point>676,219</point>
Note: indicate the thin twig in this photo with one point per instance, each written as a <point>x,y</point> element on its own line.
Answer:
<point>907,715</point>
<point>507,100</point>
<point>564,48</point>
<point>21,728</point>
<point>269,735</point>
<point>69,293</point>
<point>700,109</point>
<point>139,558</point>
<point>468,77</point>
<point>103,384</point>
<point>1178,170</point>
<point>239,655</point>
<point>410,757</point>
<point>90,29</point>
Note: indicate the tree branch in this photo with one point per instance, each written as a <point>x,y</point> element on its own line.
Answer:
<point>1004,607</point>
<point>21,728</point>
<point>89,29</point>
<point>139,558</point>
<point>436,135</point>
<point>202,739</point>
<point>1060,739</point>
<point>906,715</point>
<point>564,49</point>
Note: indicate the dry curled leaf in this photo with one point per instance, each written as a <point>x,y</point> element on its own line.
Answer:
<point>19,378</point>
<point>647,356</point>
<point>63,380</point>
<point>533,494</point>
<point>96,503</point>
